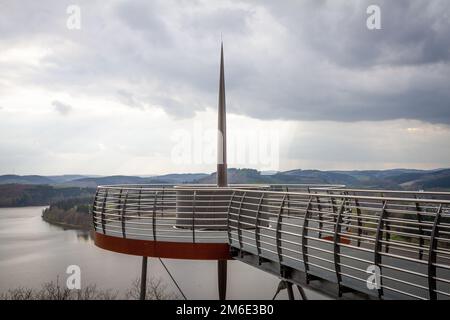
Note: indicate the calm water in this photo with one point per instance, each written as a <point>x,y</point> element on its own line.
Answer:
<point>33,252</point>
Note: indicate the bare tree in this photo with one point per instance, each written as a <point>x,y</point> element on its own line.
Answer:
<point>156,290</point>
<point>53,291</point>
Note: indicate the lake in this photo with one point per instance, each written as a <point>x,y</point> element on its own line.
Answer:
<point>33,251</point>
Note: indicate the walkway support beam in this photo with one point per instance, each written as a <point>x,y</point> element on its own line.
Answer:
<point>143,279</point>
<point>222,278</point>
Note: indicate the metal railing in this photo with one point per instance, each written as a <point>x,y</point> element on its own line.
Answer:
<point>340,237</point>
<point>182,213</point>
<point>161,213</point>
<point>327,232</point>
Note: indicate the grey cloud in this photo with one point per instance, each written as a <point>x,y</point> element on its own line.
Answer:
<point>308,60</point>
<point>17,23</point>
<point>147,18</point>
<point>129,99</point>
<point>174,107</point>
<point>214,22</point>
<point>413,32</point>
<point>62,108</point>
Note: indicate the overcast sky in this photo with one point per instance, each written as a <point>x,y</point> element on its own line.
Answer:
<point>134,90</point>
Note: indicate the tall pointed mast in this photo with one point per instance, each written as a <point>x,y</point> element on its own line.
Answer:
<point>222,167</point>
<point>222,180</point>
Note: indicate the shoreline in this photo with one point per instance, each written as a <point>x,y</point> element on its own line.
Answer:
<point>66,225</point>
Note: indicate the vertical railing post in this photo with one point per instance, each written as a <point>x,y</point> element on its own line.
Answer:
<point>193,215</point>
<point>139,202</point>
<point>257,228</point>
<point>388,234</point>
<point>336,246</point>
<point>278,230</point>
<point>162,201</point>
<point>378,246</point>
<point>421,234</point>
<point>333,209</point>
<point>119,203</point>
<point>154,215</point>
<point>239,229</point>
<point>103,212</point>
<point>432,255</point>
<point>122,218</point>
<point>229,218</point>
<point>320,216</point>
<point>347,205</point>
<point>304,242</point>
<point>288,201</point>
<point>358,222</point>
<point>94,209</point>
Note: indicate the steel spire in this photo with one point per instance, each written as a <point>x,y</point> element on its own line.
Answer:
<point>222,180</point>
<point>222,166</point>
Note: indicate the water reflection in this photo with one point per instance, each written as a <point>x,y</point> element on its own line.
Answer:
<point>84,235</point>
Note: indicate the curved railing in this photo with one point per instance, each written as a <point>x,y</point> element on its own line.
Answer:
<point>186,213</point>
<point>324,232</point>
<point>161,213</point>
<point>403,241</point>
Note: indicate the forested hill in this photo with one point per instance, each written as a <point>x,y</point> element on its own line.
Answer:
<point>20,195</point>
<point>87,181</point>
<point>406,179</point>
<point>42,190</point>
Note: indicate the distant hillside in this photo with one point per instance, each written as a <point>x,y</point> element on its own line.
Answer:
<point>388,179</point>
<point>315,176</point>
<point>409,179</point>
<point>36,179</point>
<point>182,177</point>
<point>83,181</point>
<point>174,178</point>
<point>94,182</point>
<point>431,180</point>
<point>33,179</point>
<point>292,176</point>
<point>68,177</point>
<point>18,195</point>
